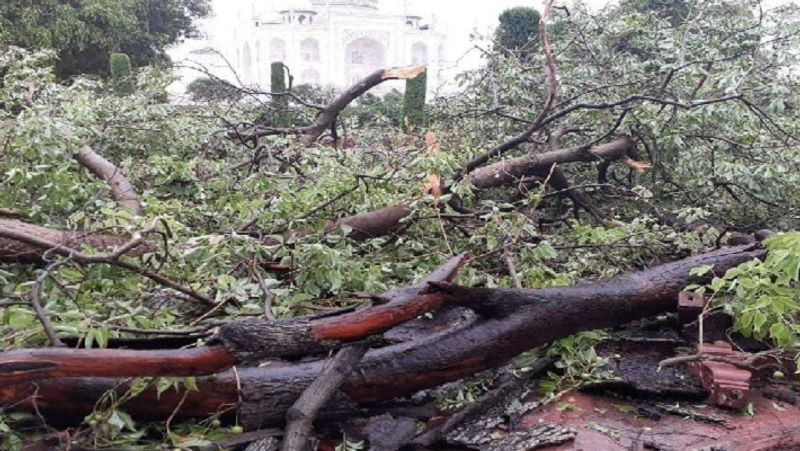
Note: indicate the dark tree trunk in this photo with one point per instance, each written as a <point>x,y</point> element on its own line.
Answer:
<point>510,322</point>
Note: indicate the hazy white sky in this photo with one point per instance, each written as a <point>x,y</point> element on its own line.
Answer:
<point>456,18</point>
<point>461,17</point>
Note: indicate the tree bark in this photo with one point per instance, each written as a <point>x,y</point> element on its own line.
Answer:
<point>122,190</point>
<point>511,322</point>
<point>514,169</point>
<point>15,251</point>
<point>301,415</point>
<point>237,343</point>
<point>326,118</point>
<point>372,224</point>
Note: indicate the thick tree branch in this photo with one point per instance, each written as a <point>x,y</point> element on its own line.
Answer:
<point>470,345</point>
<point>327,115</point>
<point>511,170</point>
<point>122,190</point>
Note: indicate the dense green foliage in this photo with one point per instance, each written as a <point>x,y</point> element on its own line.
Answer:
<point>278,85</point>
<point>718,165</point>
<point>765,294</point>
<point>385,110</point>
<point>84,32</point>
<point>518,32</point>
<point>414,100</point>
<point>121,72</point>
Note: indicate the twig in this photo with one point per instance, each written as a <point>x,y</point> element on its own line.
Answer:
<point>36,294</point>
<point>269,298</point>
<point>512,268</point>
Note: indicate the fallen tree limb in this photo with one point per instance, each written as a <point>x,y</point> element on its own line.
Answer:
<point>236,343</point>
<point>514,169</point>
<point>300,416</point>
<point>122,190</point>
<point>16,250</point>
<point>512,321</point>
<point>327,115</point>
<point>372,224</point>
<point>16,237</point>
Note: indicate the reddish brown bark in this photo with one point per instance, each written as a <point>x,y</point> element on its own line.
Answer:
<point>27,364</point>
<point>405,304</point>
<point>512,322</point>
<point>242,342</point>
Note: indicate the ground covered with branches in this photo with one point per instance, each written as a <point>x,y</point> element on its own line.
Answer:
<point>629,139</point>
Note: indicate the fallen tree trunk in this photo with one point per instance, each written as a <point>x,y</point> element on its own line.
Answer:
<point>237,343</point>
<point>511,322</point>
<point>16,251</point>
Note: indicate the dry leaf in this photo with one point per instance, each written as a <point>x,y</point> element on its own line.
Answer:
<point>638,166</point>
<point>431,143</point>
<point>404,73</point>
<point>433,186</point>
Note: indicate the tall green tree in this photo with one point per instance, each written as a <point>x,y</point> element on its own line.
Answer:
<point>414,100</point>
<point>121,71</point>
<point>84,32</point>
<point>518,31</point>
<point>278,85</point>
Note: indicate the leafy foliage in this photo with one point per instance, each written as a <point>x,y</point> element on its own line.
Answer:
<point>765,294</point>
<point>222,227</point>
<point>121,72</point>
<point>518,32</point>
<point>209,89</point>
<point>85,32</point>
<point>414,100</point>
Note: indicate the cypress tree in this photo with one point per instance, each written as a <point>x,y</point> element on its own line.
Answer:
<point>518,32</point>
<point>121,73</point>
<point>278,79</point>
<point>414,100</point>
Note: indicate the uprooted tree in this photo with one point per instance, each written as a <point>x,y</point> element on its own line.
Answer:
<point>226,263</point>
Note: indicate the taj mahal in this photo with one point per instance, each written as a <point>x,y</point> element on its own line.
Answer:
<point>322,42</point>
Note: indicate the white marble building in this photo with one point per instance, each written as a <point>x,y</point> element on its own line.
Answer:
<point>323,42</point>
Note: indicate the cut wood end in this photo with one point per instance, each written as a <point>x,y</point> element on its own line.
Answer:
<point>404,73</point>
<point>638,166</point>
